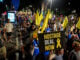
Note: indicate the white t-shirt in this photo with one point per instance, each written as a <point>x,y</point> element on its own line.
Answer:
<point>8,27</point>
<point>55,27</point>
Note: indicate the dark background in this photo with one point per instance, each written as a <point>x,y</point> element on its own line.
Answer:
<point>62,5</point>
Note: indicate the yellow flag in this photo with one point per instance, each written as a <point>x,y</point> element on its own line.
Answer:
<point>45,22</point>
<point>37,18</point>
<point>65,22</point>
<point>40,18</point>
<point>78,24</point>
<point>72,28</point>
<point>50,16</point>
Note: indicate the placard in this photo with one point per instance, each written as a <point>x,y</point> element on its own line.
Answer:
<point>51,41</point>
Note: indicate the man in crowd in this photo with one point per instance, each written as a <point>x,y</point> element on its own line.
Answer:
<point>9,29</point>
<point>75,53</point>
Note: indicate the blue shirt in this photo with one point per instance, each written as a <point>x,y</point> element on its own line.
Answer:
<point>46,53</point>
<point>48,29</point>
<point>69,36</point>
<point>36,48</point>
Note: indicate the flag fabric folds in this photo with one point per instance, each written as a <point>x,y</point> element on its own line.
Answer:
<point>45,22</point>
<point>78,24</point>
<point>65,22</point>
<point>38,18</point>
<point>50,16</point>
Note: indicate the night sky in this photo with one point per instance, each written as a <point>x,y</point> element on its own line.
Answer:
<point>61,4</point>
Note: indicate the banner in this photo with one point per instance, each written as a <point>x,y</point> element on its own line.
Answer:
<point>16,4</point>
<point>51,41</point>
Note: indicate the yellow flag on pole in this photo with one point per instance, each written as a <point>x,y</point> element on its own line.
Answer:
<point>50,16</point>
<point>65,22</point>
<point>38,18</point>
<point>78,24</point>
<point>45,22</point>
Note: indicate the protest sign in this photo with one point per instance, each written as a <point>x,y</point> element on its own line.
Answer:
<point>51,41</point>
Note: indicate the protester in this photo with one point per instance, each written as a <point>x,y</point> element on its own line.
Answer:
<point>52,55</point>
<point>75,53</point>
<point>3,32</point>
<point>9,29</point>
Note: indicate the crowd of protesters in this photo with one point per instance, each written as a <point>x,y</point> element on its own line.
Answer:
<point>29,46</point>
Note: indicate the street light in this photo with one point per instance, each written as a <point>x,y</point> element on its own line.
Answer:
<point>50,1</point>
<point>51,4</point>
<point>1,0</point>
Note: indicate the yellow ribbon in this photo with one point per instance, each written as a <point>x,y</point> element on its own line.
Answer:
<point>58,43</point>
